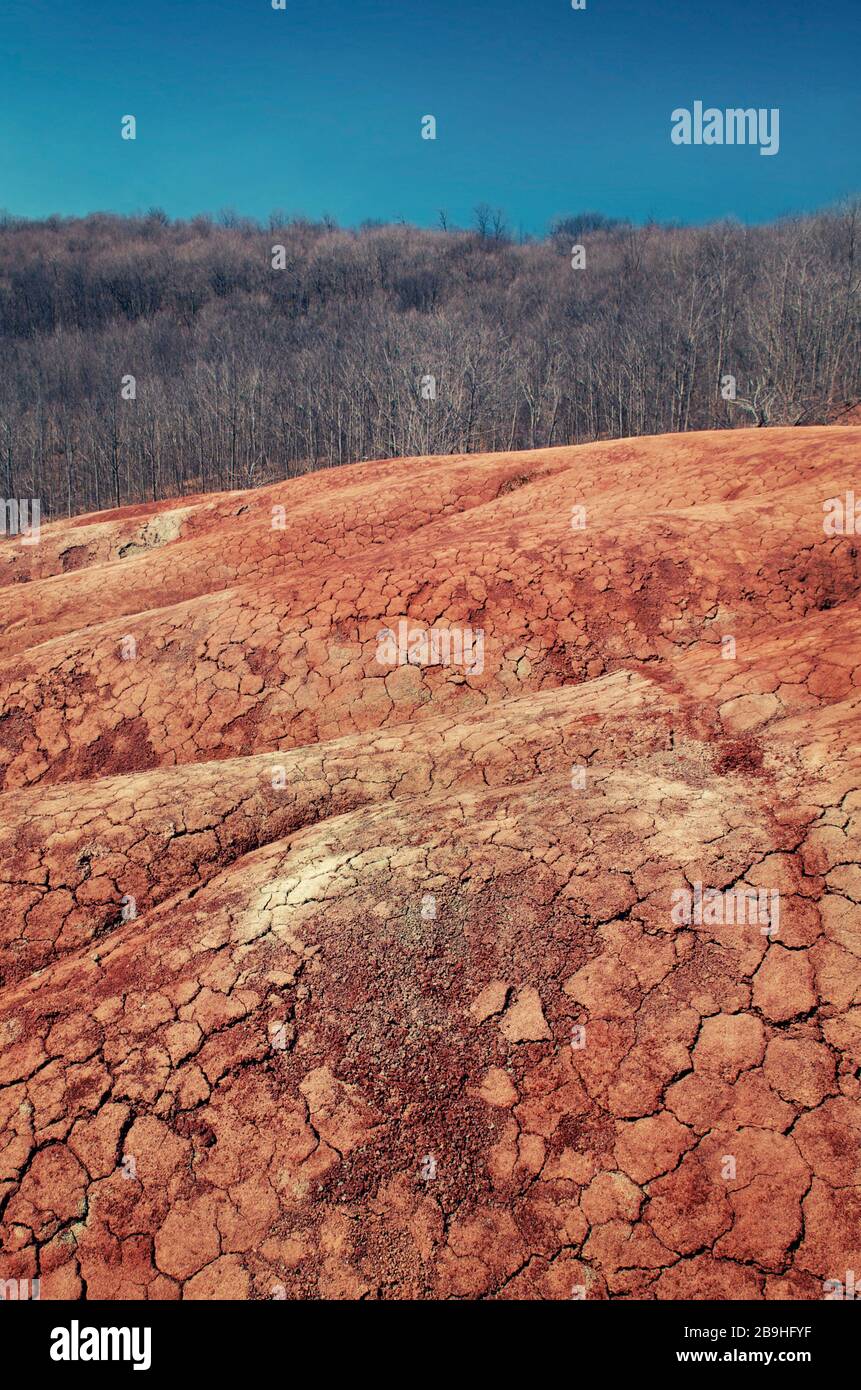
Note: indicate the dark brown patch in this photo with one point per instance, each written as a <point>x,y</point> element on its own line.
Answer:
<point>740,755</point>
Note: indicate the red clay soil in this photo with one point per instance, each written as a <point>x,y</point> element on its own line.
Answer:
<point>327,976</point>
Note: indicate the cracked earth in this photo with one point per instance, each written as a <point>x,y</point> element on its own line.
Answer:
<point>326,978</point>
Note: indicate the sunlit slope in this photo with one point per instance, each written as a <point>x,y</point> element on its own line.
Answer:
<point>344,829</point>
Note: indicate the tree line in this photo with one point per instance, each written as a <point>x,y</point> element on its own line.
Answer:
<point>144,358</point>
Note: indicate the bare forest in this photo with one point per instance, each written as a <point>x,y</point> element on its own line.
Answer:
<point>143,358</point>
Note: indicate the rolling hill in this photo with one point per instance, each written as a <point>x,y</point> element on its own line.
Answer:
<point>344,829</point>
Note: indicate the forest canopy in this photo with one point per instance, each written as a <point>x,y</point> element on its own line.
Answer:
<point>144,358</point>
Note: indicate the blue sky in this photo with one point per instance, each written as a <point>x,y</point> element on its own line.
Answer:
<point>541,110</point>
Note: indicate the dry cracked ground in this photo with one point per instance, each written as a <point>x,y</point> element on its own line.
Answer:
<point>331,974</point>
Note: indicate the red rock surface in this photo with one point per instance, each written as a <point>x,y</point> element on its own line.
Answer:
<point>294,946</point>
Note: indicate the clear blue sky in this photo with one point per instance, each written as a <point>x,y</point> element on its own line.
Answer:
<point>541,110</point>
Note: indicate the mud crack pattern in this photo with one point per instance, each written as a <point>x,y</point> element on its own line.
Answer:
<point>326,978</point>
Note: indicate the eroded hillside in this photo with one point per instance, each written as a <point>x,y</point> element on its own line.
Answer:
<point>345,831</point>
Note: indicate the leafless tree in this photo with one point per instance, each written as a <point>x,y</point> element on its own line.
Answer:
<point>245,373</point>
